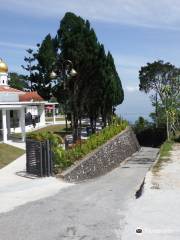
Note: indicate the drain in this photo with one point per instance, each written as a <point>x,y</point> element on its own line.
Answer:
<point>138,230</point>
<point>140,190</point>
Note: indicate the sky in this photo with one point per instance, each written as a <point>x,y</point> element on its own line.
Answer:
<point>135,32</point>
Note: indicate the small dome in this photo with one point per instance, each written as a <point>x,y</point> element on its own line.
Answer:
<point>3,67</point>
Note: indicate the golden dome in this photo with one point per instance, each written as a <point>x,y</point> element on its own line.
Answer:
<point>3,67</point>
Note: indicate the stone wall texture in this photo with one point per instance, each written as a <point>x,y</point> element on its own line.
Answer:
<point>104,158</point>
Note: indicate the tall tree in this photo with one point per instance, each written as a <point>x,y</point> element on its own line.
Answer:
<point>97,84</point>
<point>94,90</point>
<point>29,59</point>
<point>46,59</point>
<point>97,87</point>
<point>78,42</point>
<point>163,79</point>
<point>113,93</point>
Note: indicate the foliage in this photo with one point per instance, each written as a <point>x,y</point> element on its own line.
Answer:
<point>96,89</point>
<point>141,124</point>
<point>45,58</point>
<point>80,149</point>
<point>158,117</point>
<point>18,81</point>
<point>148,134</point>
<point>29,65</point>
<point>164,154</point>
<point>42,136</point>
<point>155,75</point>
<point>64,158</point>
<point>165,149</point>
<point>164,80</point>
<point>55,140</point>
<point>151,136</point>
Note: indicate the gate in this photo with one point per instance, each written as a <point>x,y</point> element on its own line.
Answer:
<point>39,158</point>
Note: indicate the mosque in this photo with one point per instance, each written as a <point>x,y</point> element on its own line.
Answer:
<point>18,108</point>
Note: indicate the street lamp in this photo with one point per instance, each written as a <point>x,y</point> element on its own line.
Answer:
<point>73,72</point>
<point>66,71</point>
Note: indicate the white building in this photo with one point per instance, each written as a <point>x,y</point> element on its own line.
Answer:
<point>16,106</point>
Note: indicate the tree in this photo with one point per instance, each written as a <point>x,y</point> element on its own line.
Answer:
<point>113,93</point>
<point>141,124</point>
<point>163,79</point>
<point>97,87</point>
<point>46,59</point>
<point>29,65</point>
<point>78,42</point>
<point>18,81</point>
<point>94,91</point>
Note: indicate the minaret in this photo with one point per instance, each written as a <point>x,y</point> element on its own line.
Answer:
<point>3,73</point>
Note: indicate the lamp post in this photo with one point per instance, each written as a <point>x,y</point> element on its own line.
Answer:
<point>65,72</point>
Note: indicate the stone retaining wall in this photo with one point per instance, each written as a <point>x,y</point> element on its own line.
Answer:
<point>103,159</point>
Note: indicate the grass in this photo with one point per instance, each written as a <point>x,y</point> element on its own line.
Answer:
<point>57,129</point>
<point>8,154</point>
<point>52,128</point>
<point>165,149</point>
<point>164,153</point>
<point>50,119</point>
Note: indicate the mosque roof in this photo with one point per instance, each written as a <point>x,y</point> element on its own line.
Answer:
<point>30,96</point>
<point>7,89</point>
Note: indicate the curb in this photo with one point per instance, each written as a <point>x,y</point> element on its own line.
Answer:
<point>140,188</point>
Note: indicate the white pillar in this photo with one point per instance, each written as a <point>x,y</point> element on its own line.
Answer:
<point>4,125</point>
<point>18,117</point>
<point>54,114</point>
<point>8,121</point>
<point>41,112</point>
<point>22,123</point>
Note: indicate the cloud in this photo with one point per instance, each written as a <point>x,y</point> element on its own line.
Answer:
<point>134,105</point>
<point>16,45</point>
<point>131,89</point>
<point>131,61</point>
<point>128,67</point>
<point>154,14</point>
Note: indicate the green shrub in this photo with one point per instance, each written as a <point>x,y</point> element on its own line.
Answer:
<point>55,140</point>
<point>65,158</point>
<point>42,136</point>
<point>80,149</point>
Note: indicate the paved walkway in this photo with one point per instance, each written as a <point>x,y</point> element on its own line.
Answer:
<point>17,143</point>
<point>157,211</point>
<point>15,189</point>
<point>92,210</point>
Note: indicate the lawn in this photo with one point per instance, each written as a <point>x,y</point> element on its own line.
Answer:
<point>58,129</point>
<point>8,154</point>
<point>50,119</point>
<point>51,128</point>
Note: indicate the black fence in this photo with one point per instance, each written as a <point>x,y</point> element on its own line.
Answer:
<point>39,158</point>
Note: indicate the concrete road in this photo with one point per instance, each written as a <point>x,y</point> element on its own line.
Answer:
<point>93,210</point>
